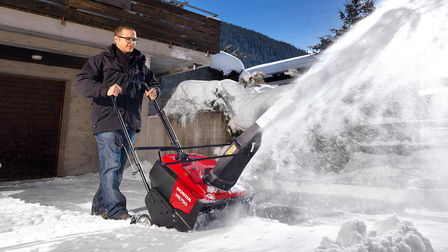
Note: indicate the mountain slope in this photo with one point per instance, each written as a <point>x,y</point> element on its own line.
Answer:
<point>257,48</point>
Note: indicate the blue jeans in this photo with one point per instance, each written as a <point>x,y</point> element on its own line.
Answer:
<point>112,160</point>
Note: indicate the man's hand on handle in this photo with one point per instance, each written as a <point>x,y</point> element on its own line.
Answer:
<point>114,90</point>
<point>151,93</point>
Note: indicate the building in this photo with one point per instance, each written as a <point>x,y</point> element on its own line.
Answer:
<point>44,123</point>
<point>284,71</point>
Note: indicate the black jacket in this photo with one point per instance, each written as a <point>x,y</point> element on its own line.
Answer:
<point>102,71</point>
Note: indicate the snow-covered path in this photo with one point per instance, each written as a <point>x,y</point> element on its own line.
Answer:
<point>54,215</point>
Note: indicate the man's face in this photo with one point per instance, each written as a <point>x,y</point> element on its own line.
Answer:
<point>124,42</point>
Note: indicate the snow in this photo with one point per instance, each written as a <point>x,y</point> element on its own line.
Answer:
<point>60,222</point>
<point>389,234</point>
<point>227,96</point>
<point>226,63</point>
<point>389,201</point>
<point>54,215</point>
<point>304,61</point>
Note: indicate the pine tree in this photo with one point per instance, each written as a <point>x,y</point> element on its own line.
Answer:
<point>324,43</point>
<point>354,11</point>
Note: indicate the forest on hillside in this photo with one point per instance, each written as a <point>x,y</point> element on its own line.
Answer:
<point>254,48</point>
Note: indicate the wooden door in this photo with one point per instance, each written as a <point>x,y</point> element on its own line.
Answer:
<point>30,125</point>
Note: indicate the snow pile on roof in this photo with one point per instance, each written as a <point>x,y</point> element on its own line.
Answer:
<point>241,105</point>
<point>285,65</point>
<point>226,63</point>
<point>386,235</point>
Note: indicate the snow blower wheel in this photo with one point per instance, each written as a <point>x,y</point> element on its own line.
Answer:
<point>144,219</point>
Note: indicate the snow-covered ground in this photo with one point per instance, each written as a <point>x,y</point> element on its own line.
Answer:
<point>353,156</point>
<point>54,215</point>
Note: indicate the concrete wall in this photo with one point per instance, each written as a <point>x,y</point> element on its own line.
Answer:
<point>207,128</point>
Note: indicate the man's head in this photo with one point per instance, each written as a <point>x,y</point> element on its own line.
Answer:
<point>125,38</point>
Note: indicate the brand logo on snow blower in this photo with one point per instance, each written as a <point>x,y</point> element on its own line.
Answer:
<point>181,200</point>
<point>183,194</point>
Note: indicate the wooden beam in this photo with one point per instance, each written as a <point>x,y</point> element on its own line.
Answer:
<point>166,31</point>
<point>43,8</point>
<point>155,20</point>
<point>97,8</point>
<point>48,58</point>
<point>175,19</point>
<point>179,11</point>
<point>122,4</point>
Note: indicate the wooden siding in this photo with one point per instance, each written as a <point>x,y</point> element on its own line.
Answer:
<point>152,19</point>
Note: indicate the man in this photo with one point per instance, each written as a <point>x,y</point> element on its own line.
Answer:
<point>117,72</point>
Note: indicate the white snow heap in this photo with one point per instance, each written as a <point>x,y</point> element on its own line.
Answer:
<point>226,63</point>
<point>389,234</point>
<point>242,106</point>
<point>294,73</point>
<point>254,79</point>
<point>351,232</point>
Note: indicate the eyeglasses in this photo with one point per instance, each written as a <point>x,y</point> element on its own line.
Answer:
<point>129,39</point>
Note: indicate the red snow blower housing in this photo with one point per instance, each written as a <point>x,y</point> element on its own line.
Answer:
<point>186,185</point>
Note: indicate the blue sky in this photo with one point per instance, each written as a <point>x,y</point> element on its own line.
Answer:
<point>297,22</point>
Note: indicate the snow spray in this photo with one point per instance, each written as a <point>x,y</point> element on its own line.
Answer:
<point>373,111</point>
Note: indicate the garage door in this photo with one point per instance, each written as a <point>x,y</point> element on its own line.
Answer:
<point>30,123</point>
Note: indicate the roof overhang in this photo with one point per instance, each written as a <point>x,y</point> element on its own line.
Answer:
<point>32,31</point>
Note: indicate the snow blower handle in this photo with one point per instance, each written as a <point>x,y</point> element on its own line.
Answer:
<point>182,156</point>
<point>132,155</point>
<point>147,88</point>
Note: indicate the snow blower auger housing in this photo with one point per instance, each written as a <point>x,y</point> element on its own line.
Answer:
<point>186,185</point>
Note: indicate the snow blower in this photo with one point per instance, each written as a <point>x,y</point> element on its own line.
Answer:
<point>184,185</point>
